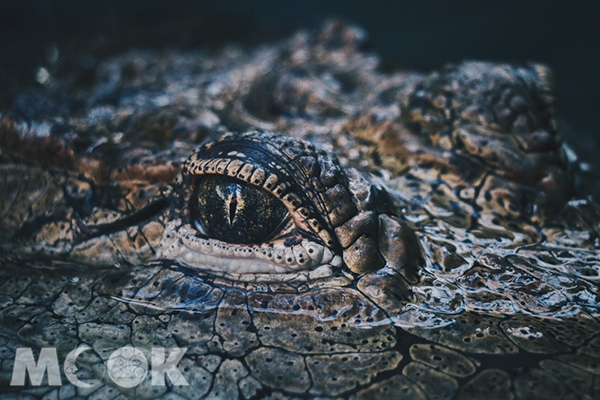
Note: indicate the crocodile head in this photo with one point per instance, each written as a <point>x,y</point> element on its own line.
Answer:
<point>367,236</point>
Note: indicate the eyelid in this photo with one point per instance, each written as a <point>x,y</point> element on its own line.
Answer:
<point>256,167</point>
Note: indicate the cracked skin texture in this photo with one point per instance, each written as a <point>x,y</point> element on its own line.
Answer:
<point>452,257</point>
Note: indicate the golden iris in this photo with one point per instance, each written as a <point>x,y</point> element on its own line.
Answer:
<point>236,212</point>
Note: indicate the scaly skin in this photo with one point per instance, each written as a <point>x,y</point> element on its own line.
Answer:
<point>436,246</point>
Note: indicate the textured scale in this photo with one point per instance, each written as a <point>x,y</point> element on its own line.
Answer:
<point>439,246</point>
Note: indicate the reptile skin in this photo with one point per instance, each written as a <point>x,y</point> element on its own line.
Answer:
<point>305,224</point>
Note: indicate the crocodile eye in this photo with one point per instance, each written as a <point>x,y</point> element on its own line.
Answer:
<point>235,212</point>
<point>251,207</point>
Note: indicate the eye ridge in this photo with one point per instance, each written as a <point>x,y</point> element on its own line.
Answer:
<point>289,170</point>
<point>234,211</point>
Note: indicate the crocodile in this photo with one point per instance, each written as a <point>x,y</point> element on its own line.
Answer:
<point>300,223</point>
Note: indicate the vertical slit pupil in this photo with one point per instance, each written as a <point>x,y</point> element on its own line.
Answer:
<point>233,203</point>
<point>236,212</point>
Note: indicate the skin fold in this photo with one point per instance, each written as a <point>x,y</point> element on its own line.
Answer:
<point>304,224</point>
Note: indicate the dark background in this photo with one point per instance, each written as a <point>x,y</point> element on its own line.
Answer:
<point>422,34</point>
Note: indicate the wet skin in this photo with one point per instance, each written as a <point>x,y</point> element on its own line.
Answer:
<point>306,225</point>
